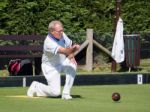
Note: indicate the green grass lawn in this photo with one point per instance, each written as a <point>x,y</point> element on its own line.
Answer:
<point>134,98</point>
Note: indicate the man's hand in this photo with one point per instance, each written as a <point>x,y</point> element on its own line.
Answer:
<point>71,50</point>
<point>73,61</point>
<point>76,47</point>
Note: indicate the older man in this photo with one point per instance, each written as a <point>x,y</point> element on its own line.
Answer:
<point>58,56</point>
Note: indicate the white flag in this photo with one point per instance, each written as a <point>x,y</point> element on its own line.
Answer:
<point>118,45</point>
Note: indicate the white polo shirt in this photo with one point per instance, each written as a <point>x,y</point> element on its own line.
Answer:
<point>50,55</point>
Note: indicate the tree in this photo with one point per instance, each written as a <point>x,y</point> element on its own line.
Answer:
<point>33,16</point>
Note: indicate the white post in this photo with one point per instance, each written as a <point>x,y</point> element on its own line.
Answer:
<point>139,79</point>
<point>129,69</point>
<point>24,82</point>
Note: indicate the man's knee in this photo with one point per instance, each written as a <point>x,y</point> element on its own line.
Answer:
<point>56,93</point>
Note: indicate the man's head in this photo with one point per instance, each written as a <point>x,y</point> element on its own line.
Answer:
<point>56,29</point>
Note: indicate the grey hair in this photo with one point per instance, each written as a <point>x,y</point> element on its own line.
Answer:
<point>52,24</point>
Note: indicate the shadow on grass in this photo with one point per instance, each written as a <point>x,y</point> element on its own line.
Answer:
<point>73,96</point>
<point>77,96</point>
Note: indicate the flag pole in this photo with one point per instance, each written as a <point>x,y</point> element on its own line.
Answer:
<point>117,15</point>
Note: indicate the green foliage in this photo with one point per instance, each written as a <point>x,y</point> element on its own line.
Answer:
<point>136,15</point>
<point>33,16</point>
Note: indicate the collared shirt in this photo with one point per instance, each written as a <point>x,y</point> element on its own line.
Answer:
<point>50,50</point>
<point>60,42</point>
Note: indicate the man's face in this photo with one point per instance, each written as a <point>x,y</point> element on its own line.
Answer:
<point>58,31</point>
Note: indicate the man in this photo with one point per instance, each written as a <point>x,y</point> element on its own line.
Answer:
<point>58,56</point>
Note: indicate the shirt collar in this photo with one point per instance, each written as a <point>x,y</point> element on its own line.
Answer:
<point>51,36</point>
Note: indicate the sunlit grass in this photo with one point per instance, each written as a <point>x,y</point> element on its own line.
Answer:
<point>134,98</point>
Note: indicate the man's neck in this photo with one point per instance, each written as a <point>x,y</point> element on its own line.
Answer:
<point>53,37</point>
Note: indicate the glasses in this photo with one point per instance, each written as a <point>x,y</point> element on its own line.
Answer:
<point>61,31</point>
